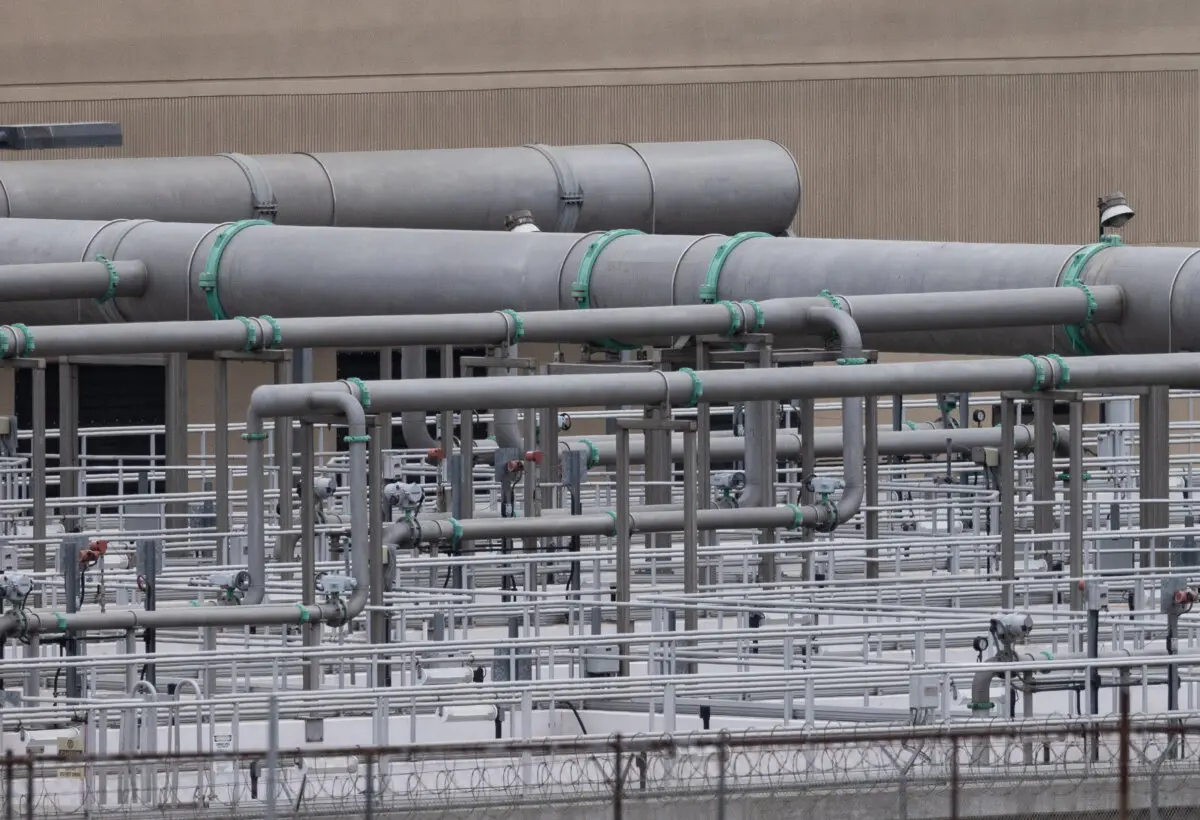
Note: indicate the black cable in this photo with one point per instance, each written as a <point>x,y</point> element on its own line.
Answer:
<point>574,711</point>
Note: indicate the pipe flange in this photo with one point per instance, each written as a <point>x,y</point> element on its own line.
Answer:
<point>570,194</point>
<point>262,195</point>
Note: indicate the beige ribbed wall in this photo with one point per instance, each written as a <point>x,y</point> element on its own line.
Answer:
<point>998,157</point>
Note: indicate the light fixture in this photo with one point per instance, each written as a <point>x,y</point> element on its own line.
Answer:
<point>1114,211</point>
<point>468,713</point>
<point>445,675</point>
<point>60,135</point>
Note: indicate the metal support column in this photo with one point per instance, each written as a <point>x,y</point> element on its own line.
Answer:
<point>871,500</point>
<point>1008,505</point>
<point>221,449</point>
<point>1043,477</point>
<point>384,430</point>
<point>378,628</point>
<point>1155,447</point>
<point>69,478</point>
<point>624,551</point>
<point>310,632</point>
<point>1075,502</point>
<point>37,451</point>
<point>285,546</point>
<point>768,571</point>
<point>176,460</point>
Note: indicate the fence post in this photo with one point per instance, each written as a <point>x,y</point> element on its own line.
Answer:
<point>618,778</point>
<point>722,762</point>
<point>954,778</point>
<point>370,812</point>
<point>28,786</point>
<point>1123,805</point>
<point>8,785</point>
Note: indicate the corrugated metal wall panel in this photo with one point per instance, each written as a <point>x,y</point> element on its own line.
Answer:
<point>1008,158</point>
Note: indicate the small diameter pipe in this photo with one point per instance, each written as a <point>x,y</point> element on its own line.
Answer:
<point>72,280</point>
<point>416,431</point>
<point>828,442</point>
<point>780,317</point>
<point>346,403</point>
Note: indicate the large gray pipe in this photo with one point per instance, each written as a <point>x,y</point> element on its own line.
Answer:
<point>670,187</point>
<point>296,271</point>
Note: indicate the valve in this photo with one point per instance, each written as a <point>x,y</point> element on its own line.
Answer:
<point>16,587</point>
<point>728,482</point>
<point>514,466</point>
<point>407,497</point>
<point>1011,628</point>
<point>534,456</point>
<point>1185,597</point>
<point>324,487</point>
<point>435,456</point>
<point>334,586</point>
<point>564,422</point>
<point>232,584</point>
<point>94,551</point>
<point>824,486</point>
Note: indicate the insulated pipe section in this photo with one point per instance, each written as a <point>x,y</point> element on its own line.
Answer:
<point>101,280</point>
<point>296,272</point>
<point>602,451</point>
<point>673,187</point>
<point>416,429</point>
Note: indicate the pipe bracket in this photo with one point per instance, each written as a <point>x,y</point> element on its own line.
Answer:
<point>212,267</point>
<point>581,291</point>
<point>708,291</point>
<point>114,278</point>
<point>1073,278</point>
<point>262,195</point>
<point>570,194</point>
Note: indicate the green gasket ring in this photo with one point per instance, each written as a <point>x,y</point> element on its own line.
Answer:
<point>60,620</point>
<point>697,386</point>
<point>356,439</point>
<point>456,528</point>
<point>251,334</point>
<point>364,395</point>
<point>613,516</point>
<point>910,424</point>
<point>760,318</point>
<point>1072,278</point>
<point>304,613</point>
<point>276,333</point>
<point>797,516</point>
<point>113,278</point>
<point>29,345</point>
<point>851,360</point>
<point>735,317</point>
<point>593,452</point>
<point>1039,370</point>
<point>833,300</point>
<point>518,325</point>
<point>1064,372</point>
<point>708,291</point>
<point>254,436</point>
<point>212,266</point>
<point>581,290</point>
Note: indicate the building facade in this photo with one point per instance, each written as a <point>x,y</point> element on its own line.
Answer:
<point>970,120</point>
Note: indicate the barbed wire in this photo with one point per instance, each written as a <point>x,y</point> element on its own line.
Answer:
<point>453,781</point>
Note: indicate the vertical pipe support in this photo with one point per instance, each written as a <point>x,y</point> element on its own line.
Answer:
<point>871,446</point>
<point>377,620</point>
<point>177,439</point>
<point>37,449</point>
<point>1043,476</point>
<point>624,557</point>
<point>221,447</point>
<point>1075,501</point>
<point>69,478</point>
<point>310,632</point>
<point>1156,465</point>
<point>1008,505</point>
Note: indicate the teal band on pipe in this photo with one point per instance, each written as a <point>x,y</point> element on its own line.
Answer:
<point>797,516</point>
<point>29,345</point>
<point>613,516</point>
<point>760,318</point>
<point>356,439</point>
<point>518,326</point>
<point>1073,278</point>
<point>833,300</point>
<point>593,452</point>
<point>457,530</point>
<point>1064,372</point>
<point>113,278</point>
<point>735,317</point>
<point>212,266</point>
<point>581,291</point>
<point>364,395</point>
<point>697,386</point>
<point>251,334</point>
<point>1039,373</point>
<point>276,333</point>
<point>708,291</point>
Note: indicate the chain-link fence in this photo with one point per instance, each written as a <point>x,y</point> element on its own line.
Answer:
<point>1097,769</point>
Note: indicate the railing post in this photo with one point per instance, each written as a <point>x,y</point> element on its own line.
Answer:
<point>618,778</point>
<point>723,763</point>
<point>8,785</point>
<point>954,778</point>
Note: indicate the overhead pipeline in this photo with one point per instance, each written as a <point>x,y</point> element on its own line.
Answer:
<point>669,187</point>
